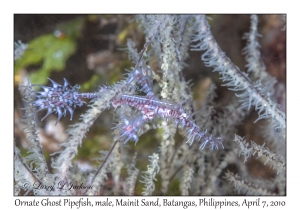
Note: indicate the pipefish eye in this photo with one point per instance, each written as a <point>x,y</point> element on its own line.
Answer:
<point>144,72</point>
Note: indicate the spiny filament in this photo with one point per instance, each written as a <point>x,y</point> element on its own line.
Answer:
<point>143,77</point>
<point>59,99</point>
<point>128,128</point>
